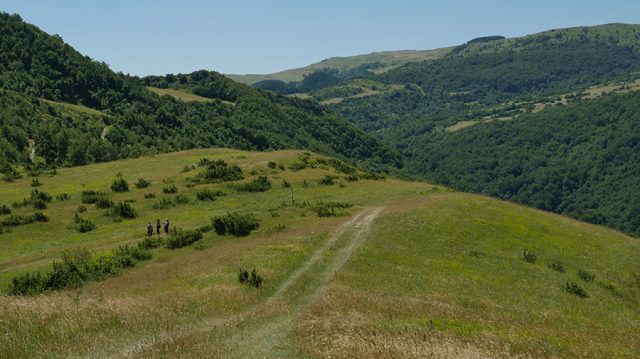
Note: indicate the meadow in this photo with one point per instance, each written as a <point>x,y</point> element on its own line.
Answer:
<point>407,269</point>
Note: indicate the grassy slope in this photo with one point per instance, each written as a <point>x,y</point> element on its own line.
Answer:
<point>182,95</point>
<point>412,268</point>
<point>389,60</point>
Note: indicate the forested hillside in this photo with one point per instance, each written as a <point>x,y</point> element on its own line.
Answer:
<point>470,120</point>
<point>40,75</point>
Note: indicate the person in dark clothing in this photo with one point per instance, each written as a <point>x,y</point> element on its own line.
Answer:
<point>149,229</point>
<point>166,227</point>
<point>158,227</point>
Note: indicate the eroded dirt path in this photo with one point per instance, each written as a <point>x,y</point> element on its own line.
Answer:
<point>267,329</point>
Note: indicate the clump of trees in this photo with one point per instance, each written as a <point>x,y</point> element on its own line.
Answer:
<point>236,224</point>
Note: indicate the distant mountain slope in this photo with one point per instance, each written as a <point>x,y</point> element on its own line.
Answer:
<point>382,61</point>
<point>491,85</point>
<point>35,65</point>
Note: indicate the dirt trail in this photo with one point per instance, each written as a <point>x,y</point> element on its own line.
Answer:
<point>265,330</point>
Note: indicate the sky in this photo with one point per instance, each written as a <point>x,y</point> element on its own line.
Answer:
<point>144,37</point>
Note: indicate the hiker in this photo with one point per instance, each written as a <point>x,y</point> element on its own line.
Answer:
<point>158,227</point>
<point>166,227</point>
<point>149,229</point>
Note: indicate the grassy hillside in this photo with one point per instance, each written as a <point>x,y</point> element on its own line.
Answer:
<point>35,65</point>
<point>385,60</point>
<point>414,268</point>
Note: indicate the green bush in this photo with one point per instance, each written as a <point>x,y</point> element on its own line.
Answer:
<point>272,165</point>
<point>219,171</point>
<point>163,203</point>
<point>341,166</point>
<point>181,238</point>
<point>331,209</point>
<point>83,225</point>
<point>170,189</point>
<point>40,195</point>
<point>352,178</point>
<point>181,199</point>
<point>586,276</point>
<point>104,203</point>
<point>149,195</point>
<point>529,256</point>
<point>327,180</point>
<point>142,183</point>
<point>120,185</point>
<point>91,197</point>
<point>27,284</point>
<point>243,276</point>
<point>236,224</point>
<point>81,209</point>
<point>251,278</point>
<point>35,182</point>
<point>19,220</point>
<point>4,209</point>
<point>122,210</point>
<point>286,184</point>
<point>208,195</point>
<point>39,204</point>
<point>63,197</point>
<point>558,267</point>
<point>372,176</point>
<point>260,184</point>
<point>149,243</point>
<point>574,288</point>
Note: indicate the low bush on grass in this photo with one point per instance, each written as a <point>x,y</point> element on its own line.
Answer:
<point>91,197</point>
<point>251,278</point>
<point>237,224</point>
<point>83,225</point>
<point>352,178</point>
<point>9,173</point>
<point>188,168</point>
<point>327,180</point>
<point>4,209</point>
<point>341,166</point>
<point>574,288</point>
<point>35,182</point>
<point>558,267</point>
<point>142,183</point>
<point>166,203</point>
<point>181,238</point>
<point>260,184</point>
<point>529,256</point>
<point>149,195</point>
<point>272,165</point>
<point>170,189</point>
<point>218,171</point>
<point>150,243</point>
<point>208,195</point>
<point>39,204</point>
<point>14,220</point>
<point>286,184</point>
<point>586,276</point>
<point>122,210</point>
<point>40,195</point>
<point>81,209</point>
<point>104,203</point>
<point>76,268</point>
<point>372,176</point>
<point>63,197</point>
<point>120,185</point>
<point>331,209</point>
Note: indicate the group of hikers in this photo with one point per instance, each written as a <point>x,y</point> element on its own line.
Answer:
<point>158,226</point>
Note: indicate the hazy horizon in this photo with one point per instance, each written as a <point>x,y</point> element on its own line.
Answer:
<point>251,37</point>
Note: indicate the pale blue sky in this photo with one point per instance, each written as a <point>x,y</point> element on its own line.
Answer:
<point>250,36</point>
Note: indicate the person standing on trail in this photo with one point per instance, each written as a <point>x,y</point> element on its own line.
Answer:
<point>166,227</point>
<point>158,227</point>
<point>149,229</point>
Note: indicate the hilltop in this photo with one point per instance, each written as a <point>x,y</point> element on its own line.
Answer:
<point>52,91</point>
<point>357,266</point>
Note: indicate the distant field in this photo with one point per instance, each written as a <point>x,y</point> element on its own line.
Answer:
<point>77,108</point>
<point>388,59</point>
<point>412,270</point>
<point>182,95</point>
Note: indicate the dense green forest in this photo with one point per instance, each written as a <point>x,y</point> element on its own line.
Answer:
<point>582,159</point>
<point>38,70</point>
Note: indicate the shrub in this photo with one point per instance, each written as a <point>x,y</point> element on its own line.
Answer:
<point>142,183</point>
<point>372,176</point>
<point>39,204</point>
<point>219,171</point>
<point>352,178</point>
<point>181,199</point>
<point>149,243</point>
<point>236,224</point>
<point>149,195</point>
<point>120,185</point>
<point>260,184</point>
<point>170,189</point>
<point>40,217</point>
<point>208,195</point>
<point>341,166</point>
<point>286,184</point>
<point>327,180</point>
<point>81,209</point>
<point>4,209</point>
<point>35,182</point>
<point>122,210</point>
<point>188,168</point>
<point>272,165</point>
<point>574,288</point>
<point>529,257</point>
<point>27,284</point>
<point>163,203</point>
<point>90,197</point>
<point>255,280</point>
<point>586,276</point>
<point>558,267</point>
<point>83,225</point>
<point>40,195</point>
<point>63,197</point>
<point>330,209</point>
<point>19,220</point>
<point>104,203</point>
<point>243,276</point>
<point>182,238</point>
